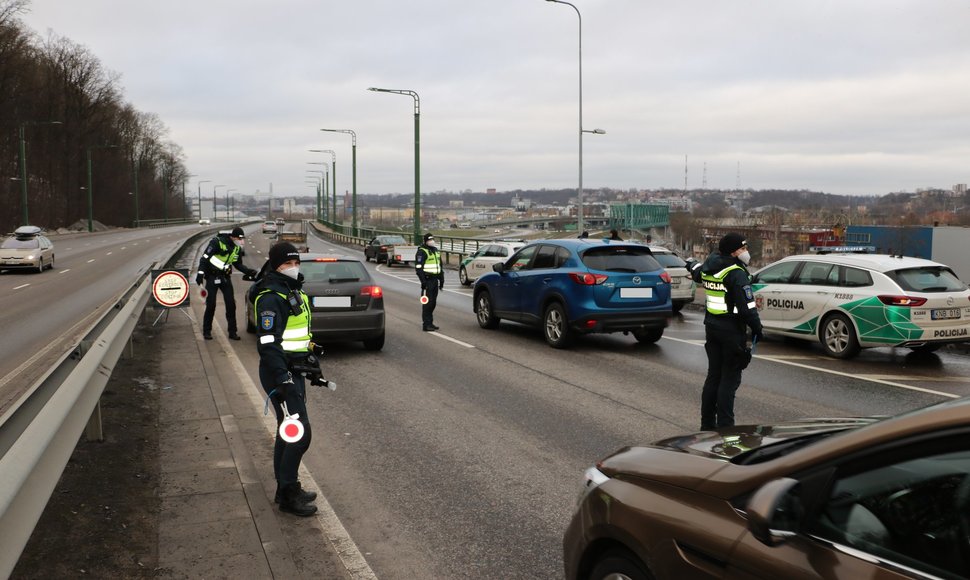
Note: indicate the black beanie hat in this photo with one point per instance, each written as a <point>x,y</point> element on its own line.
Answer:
<point>281,253</point>
<point>730,242</point>
<point>237,232</point>
<point>428,236</point>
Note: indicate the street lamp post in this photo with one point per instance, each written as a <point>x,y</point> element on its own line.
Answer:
<point>23,163</point>
<point>214,188</point>
<point>136,191</point>
<point>228,203</point>
<point>333,176</point>
<point>90,192</point>
<point>353,149</point>
<point>322,182</point>
<point>417,155</point>
<point>579,191</point>
<point>199,184</point>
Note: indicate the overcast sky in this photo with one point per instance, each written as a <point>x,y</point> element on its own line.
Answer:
<point>843,96</point>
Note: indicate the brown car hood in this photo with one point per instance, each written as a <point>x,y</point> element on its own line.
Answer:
<point>688,460</point>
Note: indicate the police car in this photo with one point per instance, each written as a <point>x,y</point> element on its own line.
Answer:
<point>27,249</point>
<point>481,262</point>
<point>848,302</point>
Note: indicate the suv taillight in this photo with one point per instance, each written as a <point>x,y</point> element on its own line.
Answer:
<point>665,277</point>
<point>587,279</point>
<point>902,301</point>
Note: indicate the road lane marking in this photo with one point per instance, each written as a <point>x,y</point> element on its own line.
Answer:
<point>109,253</point>
<point>91,260</point>
<point>63,271</point>
<point>871,379</point>
<point>21,286</point>
<point>454,340</point>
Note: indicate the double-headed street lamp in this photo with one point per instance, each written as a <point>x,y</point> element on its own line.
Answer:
<point>354,163</point>
<point>90,192</point>
<point>214,188</point>
<point>333,177</point>
<point>23,163</point>
<point>579,191</point>
<point>417,154</point>
<point>200,197</point>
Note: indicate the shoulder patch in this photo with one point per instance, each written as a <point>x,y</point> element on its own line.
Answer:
<point>748,294</point>
<point>267,319</point>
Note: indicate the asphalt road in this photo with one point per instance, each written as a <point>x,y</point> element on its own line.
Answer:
<point>460,453</point>
<point>45,314</point>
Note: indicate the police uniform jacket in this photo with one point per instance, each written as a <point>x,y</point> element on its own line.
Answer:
<point>420,262</point>
<point>271,312</point>
<point>219,245</point>
<point>739,297</point>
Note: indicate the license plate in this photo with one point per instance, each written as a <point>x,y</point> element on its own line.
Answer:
<point>331,301</point>
<point>945,313</point>
<point>636,292</point>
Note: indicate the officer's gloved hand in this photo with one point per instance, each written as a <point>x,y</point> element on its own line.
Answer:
<point>441,285</point>
<point>424,287</point>
<point>249,276</point>
<point>757,335</point>
<point>316,349</point>
<point>282,388</point>
<point>199,278</point>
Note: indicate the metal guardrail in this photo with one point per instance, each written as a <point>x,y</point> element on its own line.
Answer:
<point>39,433</point>
<point>447,245</point>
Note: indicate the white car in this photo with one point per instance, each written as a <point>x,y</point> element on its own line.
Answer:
<point>27,249</point>
<point>852,301</point>
<point>481,262</point>
<point>682,288</point>
<point>270,227</point>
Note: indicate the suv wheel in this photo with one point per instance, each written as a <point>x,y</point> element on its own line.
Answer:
<point>619,564</point>
<point>463,277</point>
<point>838,337</point>
<point>376,343</point>
<point>555,326</point>
<point>486,316</point>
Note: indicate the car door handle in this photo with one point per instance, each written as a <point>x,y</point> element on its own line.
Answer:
<point>546,280</point>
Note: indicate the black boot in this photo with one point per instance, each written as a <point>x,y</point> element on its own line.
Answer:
<point>305,496</point>
<point>290,502</point>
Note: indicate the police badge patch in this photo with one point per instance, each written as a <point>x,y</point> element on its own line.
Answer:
<point>748,294</point>
<point>267,319</point>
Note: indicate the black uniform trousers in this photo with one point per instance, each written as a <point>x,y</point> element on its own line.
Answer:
<point>287,456</point>
<point>214,284</point>
<point>427,310</point>
<point>726,357</point>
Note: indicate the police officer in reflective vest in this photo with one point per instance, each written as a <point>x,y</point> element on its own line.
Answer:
<point>215,269</point>
<point>731,311</point>
<point>427,265</point>
<point>282,319</point>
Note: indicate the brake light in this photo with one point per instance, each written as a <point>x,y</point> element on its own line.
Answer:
<point>665,277</point>
<point>372,291</point>
<point>588,279</point>
<point>324,260</point>
<point>902,301</point>
<point>383,248</point>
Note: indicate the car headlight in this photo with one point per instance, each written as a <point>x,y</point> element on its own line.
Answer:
<point>592,479</point>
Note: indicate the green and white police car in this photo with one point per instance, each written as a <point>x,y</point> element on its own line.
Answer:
<point>851,301</point>
<point>488,254</point>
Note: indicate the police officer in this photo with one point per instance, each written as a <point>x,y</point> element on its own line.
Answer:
<point>215,269</point>
<point>282,318</point>
<point>731,311</point>
<point>427,264</point>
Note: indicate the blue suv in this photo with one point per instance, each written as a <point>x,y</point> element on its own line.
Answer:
<point>577,286</point>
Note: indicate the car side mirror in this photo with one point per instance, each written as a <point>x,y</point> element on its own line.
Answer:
<point>775,511</point>
<point>499,267</point>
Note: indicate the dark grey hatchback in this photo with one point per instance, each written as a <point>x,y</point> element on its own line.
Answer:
<point>573,287</point>
<point>345,302</point>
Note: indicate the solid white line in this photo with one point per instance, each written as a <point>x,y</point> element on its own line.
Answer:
<point>63,271</point>
<point>837,373</point>
<point>21,286</point>
<point>454,340</point>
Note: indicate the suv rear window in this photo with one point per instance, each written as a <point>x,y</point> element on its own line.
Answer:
<point>927,279</point>
<point>615,258</point>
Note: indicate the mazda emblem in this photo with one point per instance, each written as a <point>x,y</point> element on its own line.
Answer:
<point>636,280</point>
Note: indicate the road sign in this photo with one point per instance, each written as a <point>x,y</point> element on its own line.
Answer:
<point>170,288</point>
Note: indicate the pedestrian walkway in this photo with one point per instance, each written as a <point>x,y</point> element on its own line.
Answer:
<point>217,515</point>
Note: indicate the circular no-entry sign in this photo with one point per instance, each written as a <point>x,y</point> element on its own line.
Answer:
<point>170,288</point>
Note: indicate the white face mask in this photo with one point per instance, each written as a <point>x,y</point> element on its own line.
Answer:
<point>745,257</point>
<point>239,243</point>
<point>292,272</point>
<point>432,243</point>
